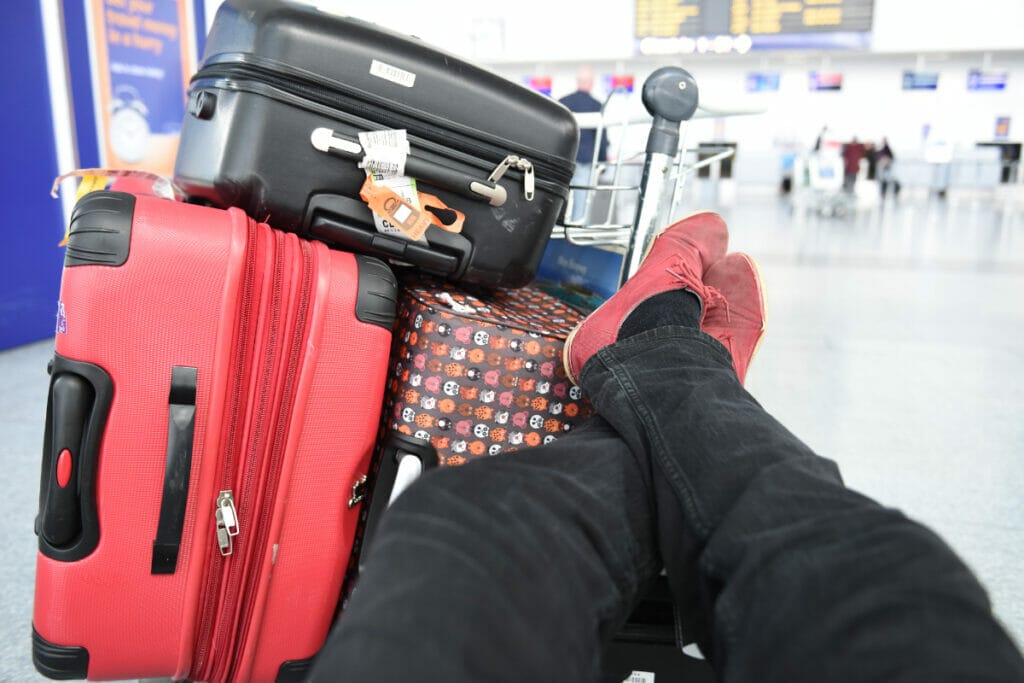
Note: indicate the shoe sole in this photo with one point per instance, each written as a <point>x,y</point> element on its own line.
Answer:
<point>647,252</point>
<point>763,306</point>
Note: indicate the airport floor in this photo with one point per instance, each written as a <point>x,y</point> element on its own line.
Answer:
<point>894,347</point>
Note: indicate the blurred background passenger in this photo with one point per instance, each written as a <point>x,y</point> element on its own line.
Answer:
<point>853,153</point>
<point>884,159</point>
<point>581,101</point>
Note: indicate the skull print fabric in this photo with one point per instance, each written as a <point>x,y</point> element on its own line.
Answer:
<point>481,376</point>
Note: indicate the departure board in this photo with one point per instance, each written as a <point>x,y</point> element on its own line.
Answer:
<point>672,18</point>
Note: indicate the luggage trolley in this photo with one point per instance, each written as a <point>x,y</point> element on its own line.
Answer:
<point>826,195</point>
<point>671,96</point>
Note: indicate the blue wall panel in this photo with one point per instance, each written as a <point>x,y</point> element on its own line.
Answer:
<point>31,222</point>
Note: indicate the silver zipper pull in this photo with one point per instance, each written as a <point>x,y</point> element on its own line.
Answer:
<point>227,521</point>
<point>520,164</point>
<point>358,492</point>
<point>500,169</point>
<point>528,179</point>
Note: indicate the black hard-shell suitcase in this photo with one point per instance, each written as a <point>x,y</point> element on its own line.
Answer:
<point>274,73</point>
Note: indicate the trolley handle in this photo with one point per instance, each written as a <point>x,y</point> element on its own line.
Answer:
<point>670,95</point>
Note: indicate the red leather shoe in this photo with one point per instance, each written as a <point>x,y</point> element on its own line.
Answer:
<point>739,323</point>
<point>676,259</point>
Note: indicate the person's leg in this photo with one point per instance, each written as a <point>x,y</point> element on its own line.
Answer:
<point>787,574</point>
<point>513,568</point>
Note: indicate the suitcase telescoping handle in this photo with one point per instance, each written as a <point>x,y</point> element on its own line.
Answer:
<point>403,459</point>
<point>76,415</point>
<point>488,190</point>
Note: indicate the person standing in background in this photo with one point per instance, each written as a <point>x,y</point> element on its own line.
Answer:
<point>581,101</point>
<point>853,152</point>
<point>884,159</point>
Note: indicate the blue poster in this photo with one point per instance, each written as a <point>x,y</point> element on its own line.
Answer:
<point>986,80</point>
<point>920,80</point>
<point>767,81</point>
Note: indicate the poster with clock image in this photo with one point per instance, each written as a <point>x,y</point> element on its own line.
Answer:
<point>142,55</point>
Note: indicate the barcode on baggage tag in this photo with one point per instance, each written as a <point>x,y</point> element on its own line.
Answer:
<point>390,138</point>
<point>383,169</point>
<point>640,677</point>
<point>392,73</point>
<point>385,152</point>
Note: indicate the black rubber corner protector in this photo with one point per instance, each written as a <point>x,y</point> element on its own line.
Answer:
<point>377,299</point>
<point>59,662</point>
<point>294,671</point>
<point>101,230</point>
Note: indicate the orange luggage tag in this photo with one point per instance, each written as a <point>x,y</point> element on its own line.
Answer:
<point>442,215</point>
<point>412,222</point>
<point>386,203</point>
<point>393,196</point>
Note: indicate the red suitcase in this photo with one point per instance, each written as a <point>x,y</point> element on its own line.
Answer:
<point>214,401</point>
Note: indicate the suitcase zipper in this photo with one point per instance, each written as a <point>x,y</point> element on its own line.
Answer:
<point>232,443</point>
<point>348,148</point>
<point>513,161</point>
<point>225,617</point>
<point>261,526</point>
<point>229,614</point>
<point>393,114</point>
<point>226,517</point>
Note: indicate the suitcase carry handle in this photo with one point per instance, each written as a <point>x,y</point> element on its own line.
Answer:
<point>73,398</point>
<point>403,459</point>
<point>347,223</point>
<point>463,184</point>
<point>181,424</point>
<point>76,416</point>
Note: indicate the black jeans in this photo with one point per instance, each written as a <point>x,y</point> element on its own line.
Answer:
<point>519,568</point>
